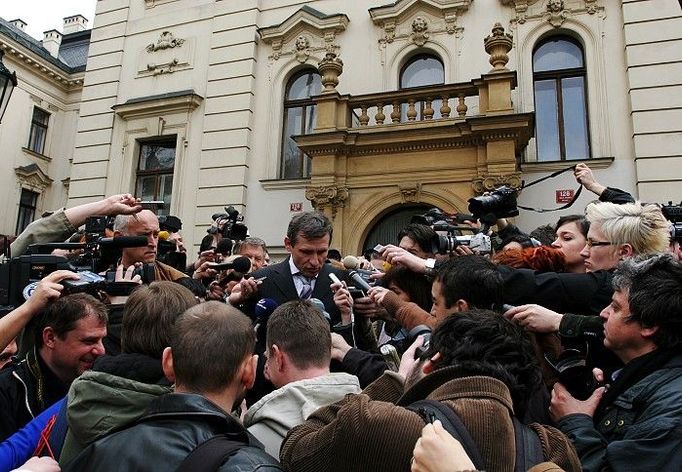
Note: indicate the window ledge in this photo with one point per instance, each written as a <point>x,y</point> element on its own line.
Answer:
<point>36,154</point>
<point>552,166</point>
<point>284,184</point>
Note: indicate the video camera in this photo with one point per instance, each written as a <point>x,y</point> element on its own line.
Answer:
<point>501,203</point>
<point>673,213</point>
<point>232,226</point>
<point>452,225</point>
<point>19,276</point>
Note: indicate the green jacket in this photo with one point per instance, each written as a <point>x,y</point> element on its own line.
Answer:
<point>100,403</point>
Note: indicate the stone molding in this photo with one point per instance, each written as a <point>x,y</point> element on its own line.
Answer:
<point>555,12</point>
<point>33,177</point>
<point>43,68</point>
<point>331,197</point>
<point>153,106</point>
<point>489,182</point>
<point>305,34</point>
<point>418,20</point>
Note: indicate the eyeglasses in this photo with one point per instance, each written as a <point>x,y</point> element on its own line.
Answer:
<point>591,243</point>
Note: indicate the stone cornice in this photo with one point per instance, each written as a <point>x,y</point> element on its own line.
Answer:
<point>42,67</point>
<point>145,107</point>
<point>32,176</point>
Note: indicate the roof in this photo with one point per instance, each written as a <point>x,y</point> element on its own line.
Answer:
<point>73,52</point>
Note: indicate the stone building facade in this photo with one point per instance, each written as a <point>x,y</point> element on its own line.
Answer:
<point>195,102</point>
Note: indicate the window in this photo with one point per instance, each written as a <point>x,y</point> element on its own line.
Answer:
<point>299,118</point>
<point>559,84</point>
<point>155,172</point>
<point>420,71</point>
<point>27,209</point>
<point>36,139</point>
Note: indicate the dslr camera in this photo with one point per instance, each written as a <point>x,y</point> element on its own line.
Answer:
<point>673,213</point>
<point>501,203</point>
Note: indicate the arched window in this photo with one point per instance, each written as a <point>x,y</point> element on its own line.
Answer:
<point>299,118</point>
<point>420,71</point>
<point>559,84</point>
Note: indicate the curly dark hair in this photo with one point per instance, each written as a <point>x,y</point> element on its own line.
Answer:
<point>482,342</point>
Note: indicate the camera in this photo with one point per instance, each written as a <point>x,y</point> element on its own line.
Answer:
<point>232,224</point>
<point>673,213</point>
<point>574,373</point>
<point>501,203</point>
<point>419,330</point>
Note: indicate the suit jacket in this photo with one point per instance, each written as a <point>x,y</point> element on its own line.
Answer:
<point>279,286</point>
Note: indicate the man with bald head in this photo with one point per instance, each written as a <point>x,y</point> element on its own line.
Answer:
<point>145,223</point>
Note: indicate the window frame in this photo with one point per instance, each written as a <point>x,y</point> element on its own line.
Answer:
<point>305,166</point>
<point>421,105</point>
<point>38,124</point>
<point>23,208</point>
<point>558,75</point>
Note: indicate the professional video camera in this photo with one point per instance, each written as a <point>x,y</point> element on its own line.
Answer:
<point>19,276</point>
<point>232,226</point>
<point>673,213</point>
<point>501,203</point>
<point>452,225</point>
<point>166,250</point>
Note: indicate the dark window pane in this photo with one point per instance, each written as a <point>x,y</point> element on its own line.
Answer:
<point>27,209</point>
<point>40,116</point>
<point>291,155</point>
<point>157,156</point>
<point>421,71</point>
<point>557,54</point>
<point>146,187</point>
<point>38,133</point>
<point>575,118</point>
<point>305,86</point>
<point>546,119</point>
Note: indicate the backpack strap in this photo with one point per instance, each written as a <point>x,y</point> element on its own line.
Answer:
<point>210,454</point>
<point>431,410</point>
<point>528,447</point>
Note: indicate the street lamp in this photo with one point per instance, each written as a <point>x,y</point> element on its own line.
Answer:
<point>8,80</point>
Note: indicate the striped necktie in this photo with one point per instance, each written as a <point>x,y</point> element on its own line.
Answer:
<point>306,289</point>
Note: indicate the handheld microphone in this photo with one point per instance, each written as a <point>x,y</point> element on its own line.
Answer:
<point>262,312</point>
<point>241,264</point>
<point>317,303</point>
<point>358,281</point>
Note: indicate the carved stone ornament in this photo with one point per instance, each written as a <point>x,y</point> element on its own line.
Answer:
<point>556,13</point>
<point>331,67</point>
<point>488,183</point>
<point>591,6</point>
<point>302,49</point>
<point>419,31</point>
<point>32,177</point>
<point>410,192</point>
<point>166,41</point>
<point>498,44</point>
<point>332,197</point>
<point>168,68</point>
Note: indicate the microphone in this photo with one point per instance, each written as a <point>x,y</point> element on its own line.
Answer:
<point>123,241</point>
<point>241,264</point>
<point>317,303</point>
<point>350,262</point>
<point>262,312</point>
<point>358,281</point>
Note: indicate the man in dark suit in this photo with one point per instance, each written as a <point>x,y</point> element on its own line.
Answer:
<point>303,275</point>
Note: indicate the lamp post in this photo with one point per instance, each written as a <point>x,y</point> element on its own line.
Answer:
<point>8,80</point>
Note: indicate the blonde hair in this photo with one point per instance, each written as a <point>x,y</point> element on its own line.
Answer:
<point>641,226</point>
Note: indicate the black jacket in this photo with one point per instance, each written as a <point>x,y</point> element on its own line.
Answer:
<point>26,389</point>
<point>174,425</point>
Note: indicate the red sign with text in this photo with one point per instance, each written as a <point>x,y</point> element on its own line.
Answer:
<point>565,196</point>
<point>296,206</point>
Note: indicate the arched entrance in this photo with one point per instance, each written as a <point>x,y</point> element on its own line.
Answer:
<point>385,231</point>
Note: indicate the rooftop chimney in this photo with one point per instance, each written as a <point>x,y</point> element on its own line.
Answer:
<point>75,23</point>
<point>19,24</point>
<point>52,39</point>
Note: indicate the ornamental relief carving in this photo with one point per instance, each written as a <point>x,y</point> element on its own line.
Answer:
<point>304,46</point>
<point>168,54</point>
<point>166,41</point>
<point>555,12</point>
<point>420,30</point>
<point>488,183</point>
<point>331,197</point>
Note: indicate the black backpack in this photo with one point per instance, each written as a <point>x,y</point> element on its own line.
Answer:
<point>528,446</point>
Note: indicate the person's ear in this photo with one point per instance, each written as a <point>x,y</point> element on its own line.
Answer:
<point>625,250</point>
<point>167,364</point>
<point>117,234</point>
<point>49,337</point>
<point>278,357</point>
<point>430,364</point>
<point>647,333</point>
<point>287,244</point>
<point>462,305</point>
<point>249,369</point>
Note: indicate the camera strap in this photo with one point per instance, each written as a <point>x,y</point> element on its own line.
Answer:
<point>551,176</point>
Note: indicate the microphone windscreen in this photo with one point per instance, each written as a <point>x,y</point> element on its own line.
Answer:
<point>124,241</point>
<point>350,262</point>
<point>317,303</point>
<point>241,264</point>
<point>264,308</point>
<point>164,235</point>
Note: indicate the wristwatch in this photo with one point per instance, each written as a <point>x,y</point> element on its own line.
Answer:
<point>430,267</point>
